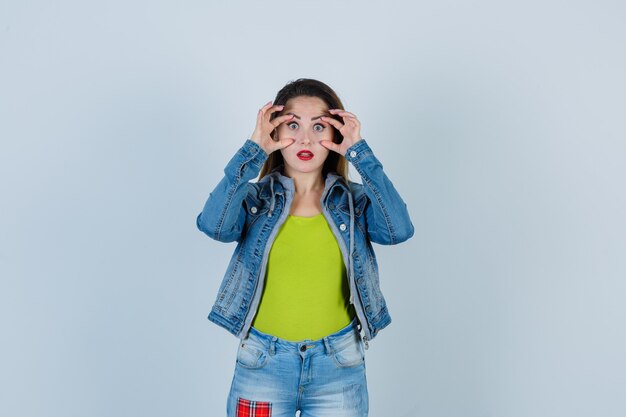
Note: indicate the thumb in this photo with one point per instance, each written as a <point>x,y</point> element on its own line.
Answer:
<point>331,145</point>
<point>285,142</point>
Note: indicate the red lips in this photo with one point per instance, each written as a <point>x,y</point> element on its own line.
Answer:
<point>305,155</point>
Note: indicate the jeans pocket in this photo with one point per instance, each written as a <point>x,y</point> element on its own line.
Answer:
<point>251,355</point>
<point>349,353</point>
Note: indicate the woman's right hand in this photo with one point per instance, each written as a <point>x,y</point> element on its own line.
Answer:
<point>264,127</point>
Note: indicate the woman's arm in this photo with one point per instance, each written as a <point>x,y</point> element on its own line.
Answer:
<point>224,216</point>
<point>386,214</point>
<point>387,217</point>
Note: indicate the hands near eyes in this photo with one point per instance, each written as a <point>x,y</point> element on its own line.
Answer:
<point>350,129</point>
<point>264,128</point>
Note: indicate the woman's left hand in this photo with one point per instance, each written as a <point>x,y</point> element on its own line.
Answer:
<point>350,129</point>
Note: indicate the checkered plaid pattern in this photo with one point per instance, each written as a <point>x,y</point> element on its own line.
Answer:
<point>247,408</point>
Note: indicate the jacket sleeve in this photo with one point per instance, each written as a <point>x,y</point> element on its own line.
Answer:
<point>224,215</point>
<point>386,214</point>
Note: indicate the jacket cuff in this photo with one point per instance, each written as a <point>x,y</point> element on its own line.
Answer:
<point>358,151</point>
<point>253,153</point>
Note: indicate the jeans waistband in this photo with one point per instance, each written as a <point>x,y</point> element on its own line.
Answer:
<point>329,343</point>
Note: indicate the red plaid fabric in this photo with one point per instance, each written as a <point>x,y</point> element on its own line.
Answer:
<point>247,408</point>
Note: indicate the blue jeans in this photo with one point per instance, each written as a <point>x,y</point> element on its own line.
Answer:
<point>275,377</point>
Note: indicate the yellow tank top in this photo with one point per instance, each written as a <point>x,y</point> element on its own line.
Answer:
<point>306,290</point>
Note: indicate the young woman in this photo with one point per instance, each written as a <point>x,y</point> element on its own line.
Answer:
<point>301,290</point>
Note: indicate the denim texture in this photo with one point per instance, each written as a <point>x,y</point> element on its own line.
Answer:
<point>251,213</point>
<point>325,377</point>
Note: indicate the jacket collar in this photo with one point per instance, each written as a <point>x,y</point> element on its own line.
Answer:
<point>287,183</point>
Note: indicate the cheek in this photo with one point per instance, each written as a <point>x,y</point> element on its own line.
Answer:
<point>322,136</point>
<point>289,153</point>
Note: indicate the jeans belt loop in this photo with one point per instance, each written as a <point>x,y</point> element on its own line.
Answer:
<point>329,350</point>
<point>273,346</point>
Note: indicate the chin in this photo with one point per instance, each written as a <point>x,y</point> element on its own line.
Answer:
<point>304,167</point>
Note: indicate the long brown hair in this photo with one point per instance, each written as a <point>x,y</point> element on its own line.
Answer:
<point>313,88</point>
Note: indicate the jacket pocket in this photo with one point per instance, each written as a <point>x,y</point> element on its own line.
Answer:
<point>359,205</point>
<point>255,209</point>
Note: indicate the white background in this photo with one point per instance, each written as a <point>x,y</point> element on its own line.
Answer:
<point>500,123</point>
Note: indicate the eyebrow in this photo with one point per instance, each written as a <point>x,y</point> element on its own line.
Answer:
<point>312,118</point>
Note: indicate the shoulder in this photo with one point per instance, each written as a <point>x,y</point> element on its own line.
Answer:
<point>259,190</point>
<point>344,187</point>
<point>266,187</point>
<point>356,189</point>
<point>340,186</point>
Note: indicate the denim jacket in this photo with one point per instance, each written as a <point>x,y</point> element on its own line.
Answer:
<point>251,213</point>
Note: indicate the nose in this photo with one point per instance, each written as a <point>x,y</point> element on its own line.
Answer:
<point>304,138</point>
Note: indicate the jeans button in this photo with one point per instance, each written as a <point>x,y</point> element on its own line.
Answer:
<point>302,348</point>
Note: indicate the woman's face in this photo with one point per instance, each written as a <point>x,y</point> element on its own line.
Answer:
<point>306,154</point>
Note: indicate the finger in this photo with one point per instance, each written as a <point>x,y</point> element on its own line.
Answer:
<point>284,142</point>
<point>268,106</point>
<point>345,114</point>
<point>352,122</point>
<point>280,119</point>
<point>336,123</point>
<point>267,115</point>
<point>265,106</point>
<point>330,145</point>
<point>259,117</point>
<point>275,108</point>
<point>339,111</point>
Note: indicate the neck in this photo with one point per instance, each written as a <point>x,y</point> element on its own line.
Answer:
<point>306,182</point>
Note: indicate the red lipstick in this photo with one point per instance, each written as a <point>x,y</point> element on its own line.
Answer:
<point>305,155</point>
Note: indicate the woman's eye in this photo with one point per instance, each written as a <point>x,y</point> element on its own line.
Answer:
<point>318,127</point>
<point>292,125</point>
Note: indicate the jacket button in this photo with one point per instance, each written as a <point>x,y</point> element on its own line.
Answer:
<point>253,210</point>
<point>342,227</point>
<point>353,154</point>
